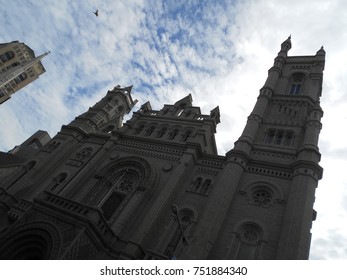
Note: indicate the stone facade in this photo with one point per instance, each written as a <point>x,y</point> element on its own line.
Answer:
<point>155,187</point>
<point>18,68</point>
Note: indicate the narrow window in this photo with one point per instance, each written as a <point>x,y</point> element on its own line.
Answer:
<point>279,138</point>
<point>249,242</point>
<point>295,89</point>
<point>138,129</point>
<point>173,134</point>
<point>112,204</point>
<point>57,181</point>
<point>179,230</point>
<point>20,78</point>
<point>296,84</point>
<point>122,187</point>
<point>289,139</point>
<point>6,56</point>
<point>161,132</point>
<point>270,136</point>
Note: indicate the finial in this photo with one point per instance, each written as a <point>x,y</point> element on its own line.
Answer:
<point>286,45</point>
<point>321,51</point>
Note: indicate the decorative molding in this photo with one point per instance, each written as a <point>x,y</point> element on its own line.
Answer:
<point>269,172</point>
<point>208,171</point>
<point>167,167</point>
<point>150,147</point>
<point>301,67</point>
<point>74,163</point>
<point>212,163</point>
<point>148,153</point>
<point>273,155</point>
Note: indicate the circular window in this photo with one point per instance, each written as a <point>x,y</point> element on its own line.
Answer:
<point>262,198</point>
<point>251,235</point>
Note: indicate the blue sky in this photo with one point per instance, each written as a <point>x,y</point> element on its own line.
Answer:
<point>219,51</point>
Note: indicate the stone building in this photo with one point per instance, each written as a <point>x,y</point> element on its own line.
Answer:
<point>18,68</point>
<point>155,187</point>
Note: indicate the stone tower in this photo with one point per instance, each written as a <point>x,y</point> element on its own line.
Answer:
<point>155,187</point>
<point>275,162</point>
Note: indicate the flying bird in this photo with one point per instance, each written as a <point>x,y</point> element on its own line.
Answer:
<point>96,13</point>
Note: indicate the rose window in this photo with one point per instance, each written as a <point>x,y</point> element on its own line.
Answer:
<point>262,198</point>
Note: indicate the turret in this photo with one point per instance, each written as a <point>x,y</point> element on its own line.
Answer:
<point>110,109</point>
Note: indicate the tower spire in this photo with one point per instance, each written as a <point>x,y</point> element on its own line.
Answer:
<point>286,45</point>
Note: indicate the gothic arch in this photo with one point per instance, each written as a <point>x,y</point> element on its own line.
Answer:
<point>296,83</point>
<point>148,174</point>
<point>139,127</point>
<point>36,240</point>
<point>30,165</point>
<point>150,129</point>
<point>57,182</point>
<point>18,174</point>
<point>249,237</point>
<point>187,133</point>
<point>120,181</point>
<point>174,132</point>
<point>161,130</point>
<point>178,231</point>
<point>201,185</point>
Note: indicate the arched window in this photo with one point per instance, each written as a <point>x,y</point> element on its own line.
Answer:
<point>289,138</point>
<point>20,78</point>
<point>249,239</point>
<point>196,185</point>
<point>206,187</point>
<point>161,131</point>
<point>185,135</point>
<point>173,133</point>
<point>108,129</point>
<point>201,186</point>
<point>270,136</point>
<point>51,146</point>
<point>7,56</point>
<point>296,85</point>
<point>121,185</point>
<point>149,130</point>
<point>14,64</point>
<point>138,129</point>
<point>57,181</point>
<point>279,137</point>
<point>178,231</point>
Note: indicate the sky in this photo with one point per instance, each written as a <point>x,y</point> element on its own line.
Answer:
<point>219,51</point>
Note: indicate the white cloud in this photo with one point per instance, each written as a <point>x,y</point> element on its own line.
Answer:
<point>167,50</point>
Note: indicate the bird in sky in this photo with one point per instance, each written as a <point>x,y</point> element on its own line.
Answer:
<point>96,13</point>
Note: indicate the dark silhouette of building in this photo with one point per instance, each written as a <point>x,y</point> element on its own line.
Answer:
<point>155,187</point>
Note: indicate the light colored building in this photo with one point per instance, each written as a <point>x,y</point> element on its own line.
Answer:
<point>18,68</point>
<point>155,186</point>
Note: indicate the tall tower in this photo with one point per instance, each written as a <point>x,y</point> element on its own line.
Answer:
<point>18,68</point>
<point>275,162</point>
<point>155,187</point>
